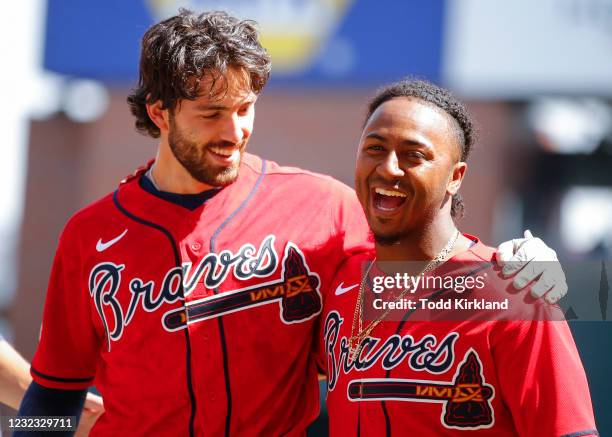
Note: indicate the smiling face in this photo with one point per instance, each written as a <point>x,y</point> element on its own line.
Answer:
<point>407,167</point>
<point>208,135</point>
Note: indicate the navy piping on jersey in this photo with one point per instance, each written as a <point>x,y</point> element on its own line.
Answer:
<point>188,201</point>
<point>383,405</point>
<point>177,262</point>
<point>434,295</point>
<point>228,391</point>
<point>58,379</point>
<point>582,433</point>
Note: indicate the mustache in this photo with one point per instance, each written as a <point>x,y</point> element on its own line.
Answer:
<point>226,144</point>
<point>389,185</point>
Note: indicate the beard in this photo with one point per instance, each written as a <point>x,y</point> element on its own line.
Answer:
<point>388,237</point>
<point>387,240</point>
<point>192,157</point>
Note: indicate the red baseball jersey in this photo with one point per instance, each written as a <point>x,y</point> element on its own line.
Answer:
<point>194,322</point>
<point>448,377</point>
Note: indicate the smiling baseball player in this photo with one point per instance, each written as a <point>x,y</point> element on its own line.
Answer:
<point>189,295</point>
<point>514,371</point>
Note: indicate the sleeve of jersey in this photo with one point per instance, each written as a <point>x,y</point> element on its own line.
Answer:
<point>542,379</point>
<point>67,353</point>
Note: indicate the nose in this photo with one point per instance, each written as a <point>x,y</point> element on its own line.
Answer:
<point>389,167</point>
<point>235,129</point>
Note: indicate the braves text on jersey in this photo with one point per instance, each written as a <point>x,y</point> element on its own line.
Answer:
<point>448,377</point>
<point>194,322</point>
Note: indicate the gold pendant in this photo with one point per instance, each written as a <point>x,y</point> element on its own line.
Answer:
<point>355,348</point>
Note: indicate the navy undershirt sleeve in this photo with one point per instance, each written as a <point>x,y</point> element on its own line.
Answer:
<point>42,401</point>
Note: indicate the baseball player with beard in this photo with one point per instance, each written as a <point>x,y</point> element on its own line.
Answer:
<point>473,372</point>
<point>189,295</point>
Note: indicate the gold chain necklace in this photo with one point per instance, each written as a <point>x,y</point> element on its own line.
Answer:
<point>356,340</point>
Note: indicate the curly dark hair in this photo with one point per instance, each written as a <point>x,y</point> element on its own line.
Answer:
<point>464,129</point>
<point>178,52</point>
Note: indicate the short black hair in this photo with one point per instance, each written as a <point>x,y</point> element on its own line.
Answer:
<point>178,52</point>
<point>464,129</point>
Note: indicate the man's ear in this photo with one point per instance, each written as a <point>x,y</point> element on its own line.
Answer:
<point>158,115</point>
<point>457,175</point>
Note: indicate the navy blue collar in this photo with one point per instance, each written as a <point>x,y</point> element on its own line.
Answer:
<point>188,201</point>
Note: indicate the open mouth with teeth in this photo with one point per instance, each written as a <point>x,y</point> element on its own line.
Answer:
<point>224,154</point>
<point>388,200</point>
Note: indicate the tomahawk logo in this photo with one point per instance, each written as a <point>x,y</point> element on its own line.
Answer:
<point>296,292</point>
<point>466,400</point>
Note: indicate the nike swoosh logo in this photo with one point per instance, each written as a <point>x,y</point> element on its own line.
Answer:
<point>101,247</point>
<point>341,290</point>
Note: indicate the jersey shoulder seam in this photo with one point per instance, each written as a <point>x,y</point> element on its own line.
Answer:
<point>273,169</point>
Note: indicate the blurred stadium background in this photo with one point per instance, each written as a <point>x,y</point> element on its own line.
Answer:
<point>537,76</point>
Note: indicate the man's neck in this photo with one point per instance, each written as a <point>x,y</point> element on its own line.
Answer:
<point>425,243</point>
<point>170,176</point>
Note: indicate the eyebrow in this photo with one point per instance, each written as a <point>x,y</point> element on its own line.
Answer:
<point>406,142</point>
<point>210,107</point>
<point>214,107</point>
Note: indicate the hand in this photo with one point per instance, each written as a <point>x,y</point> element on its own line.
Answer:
<point>94,407</point>
<point>547,278</point>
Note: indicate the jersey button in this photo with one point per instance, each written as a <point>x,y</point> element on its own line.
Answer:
<point>196,246</point>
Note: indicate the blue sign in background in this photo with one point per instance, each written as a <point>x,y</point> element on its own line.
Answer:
<point>388,40</point>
